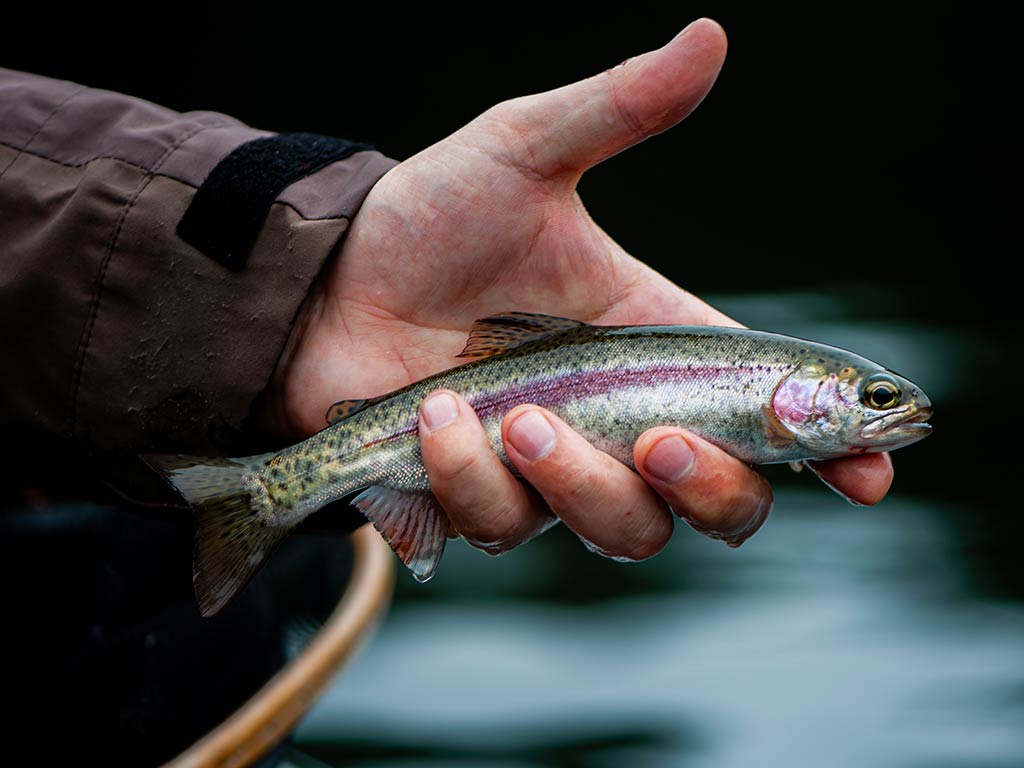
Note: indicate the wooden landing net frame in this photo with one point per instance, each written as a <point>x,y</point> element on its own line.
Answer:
<point>269,716</point>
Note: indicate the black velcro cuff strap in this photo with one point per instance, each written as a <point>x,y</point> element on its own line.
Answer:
<point>228,210</point>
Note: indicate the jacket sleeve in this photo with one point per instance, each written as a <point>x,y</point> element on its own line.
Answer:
<point>118,336</point>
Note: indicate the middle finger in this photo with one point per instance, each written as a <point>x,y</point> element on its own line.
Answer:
<point>604,502</point>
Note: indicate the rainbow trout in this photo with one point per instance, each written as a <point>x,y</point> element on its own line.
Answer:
<point>762,397</point>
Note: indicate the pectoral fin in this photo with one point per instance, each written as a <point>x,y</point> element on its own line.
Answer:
<point>342,409</point>
<point>778,434</point>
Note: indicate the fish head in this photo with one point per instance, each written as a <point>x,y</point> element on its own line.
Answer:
<point>847,406</point>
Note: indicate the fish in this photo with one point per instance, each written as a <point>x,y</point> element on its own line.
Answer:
<point>763,397</point>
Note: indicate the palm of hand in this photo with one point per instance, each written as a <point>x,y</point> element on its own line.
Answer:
<point>470,227</point>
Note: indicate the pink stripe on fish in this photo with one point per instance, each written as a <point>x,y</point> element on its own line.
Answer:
<point>554,391</point>
<point>574,385</point>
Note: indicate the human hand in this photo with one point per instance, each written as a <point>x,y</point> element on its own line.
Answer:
<point>489,220</point>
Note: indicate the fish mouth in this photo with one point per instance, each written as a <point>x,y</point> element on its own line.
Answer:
<point>899,427</point>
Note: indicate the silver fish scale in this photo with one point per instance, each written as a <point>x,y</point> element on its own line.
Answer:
<point>609,383</point>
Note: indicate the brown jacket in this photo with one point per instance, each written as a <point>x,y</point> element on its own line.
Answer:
<point>117,335</point>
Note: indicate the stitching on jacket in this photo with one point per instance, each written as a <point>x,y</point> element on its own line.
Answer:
<point>90,322</point>
<point>66,164</point>
<point>39,128</point>
<point>143,168</point>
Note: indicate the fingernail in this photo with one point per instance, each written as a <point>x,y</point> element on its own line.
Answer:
<point>670,459</point>
<point>439,410</point>
<point>532,435</point>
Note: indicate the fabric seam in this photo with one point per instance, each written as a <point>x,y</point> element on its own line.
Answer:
<point>79,370</point>
<point>21,150</point>
<point>101,157</point>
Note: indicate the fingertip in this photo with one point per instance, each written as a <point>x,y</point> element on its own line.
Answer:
<point>707,28</point>
<point>717,494</point>
<point>862,480</point>
<point>600,499</point>
<point>571,129</point>
<point>487,506</point>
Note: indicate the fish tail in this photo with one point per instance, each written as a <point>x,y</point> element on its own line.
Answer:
<point>232,539</point>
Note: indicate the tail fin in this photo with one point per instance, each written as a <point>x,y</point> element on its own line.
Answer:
<point>232,541</point>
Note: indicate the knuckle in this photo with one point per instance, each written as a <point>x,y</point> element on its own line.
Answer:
<point>650,537</point>
<point>505,110</point>
<point>576,485</point>
<point>511,112</point>
<point>635,127</point>
<point>736,502</point>
<point>455,468</point>
<point>646,551</point>
<point>731,509</point>
<point>493,529</point>
<point>643,542</point>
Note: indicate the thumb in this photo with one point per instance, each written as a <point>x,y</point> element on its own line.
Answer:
<point>570,129</point>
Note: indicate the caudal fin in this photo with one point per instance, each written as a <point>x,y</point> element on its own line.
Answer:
<point>232,541</point>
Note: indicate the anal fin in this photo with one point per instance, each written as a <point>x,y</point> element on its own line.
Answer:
<point>412,522</point>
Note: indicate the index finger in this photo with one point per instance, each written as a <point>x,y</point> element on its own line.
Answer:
<point>717,494</point>
<point>862,480</point>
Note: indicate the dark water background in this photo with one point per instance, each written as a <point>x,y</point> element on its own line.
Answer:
<point>838,636</point>
<point>854,178</point>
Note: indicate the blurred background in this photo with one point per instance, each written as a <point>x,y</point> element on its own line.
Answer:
<point>853,178</point>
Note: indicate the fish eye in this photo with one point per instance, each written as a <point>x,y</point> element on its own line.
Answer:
<point>881,392</point>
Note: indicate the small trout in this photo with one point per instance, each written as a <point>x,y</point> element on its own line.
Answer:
<point>762,397</point>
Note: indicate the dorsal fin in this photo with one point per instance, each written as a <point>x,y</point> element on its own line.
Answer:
<point>345,408</point>
<point>500,333</point>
